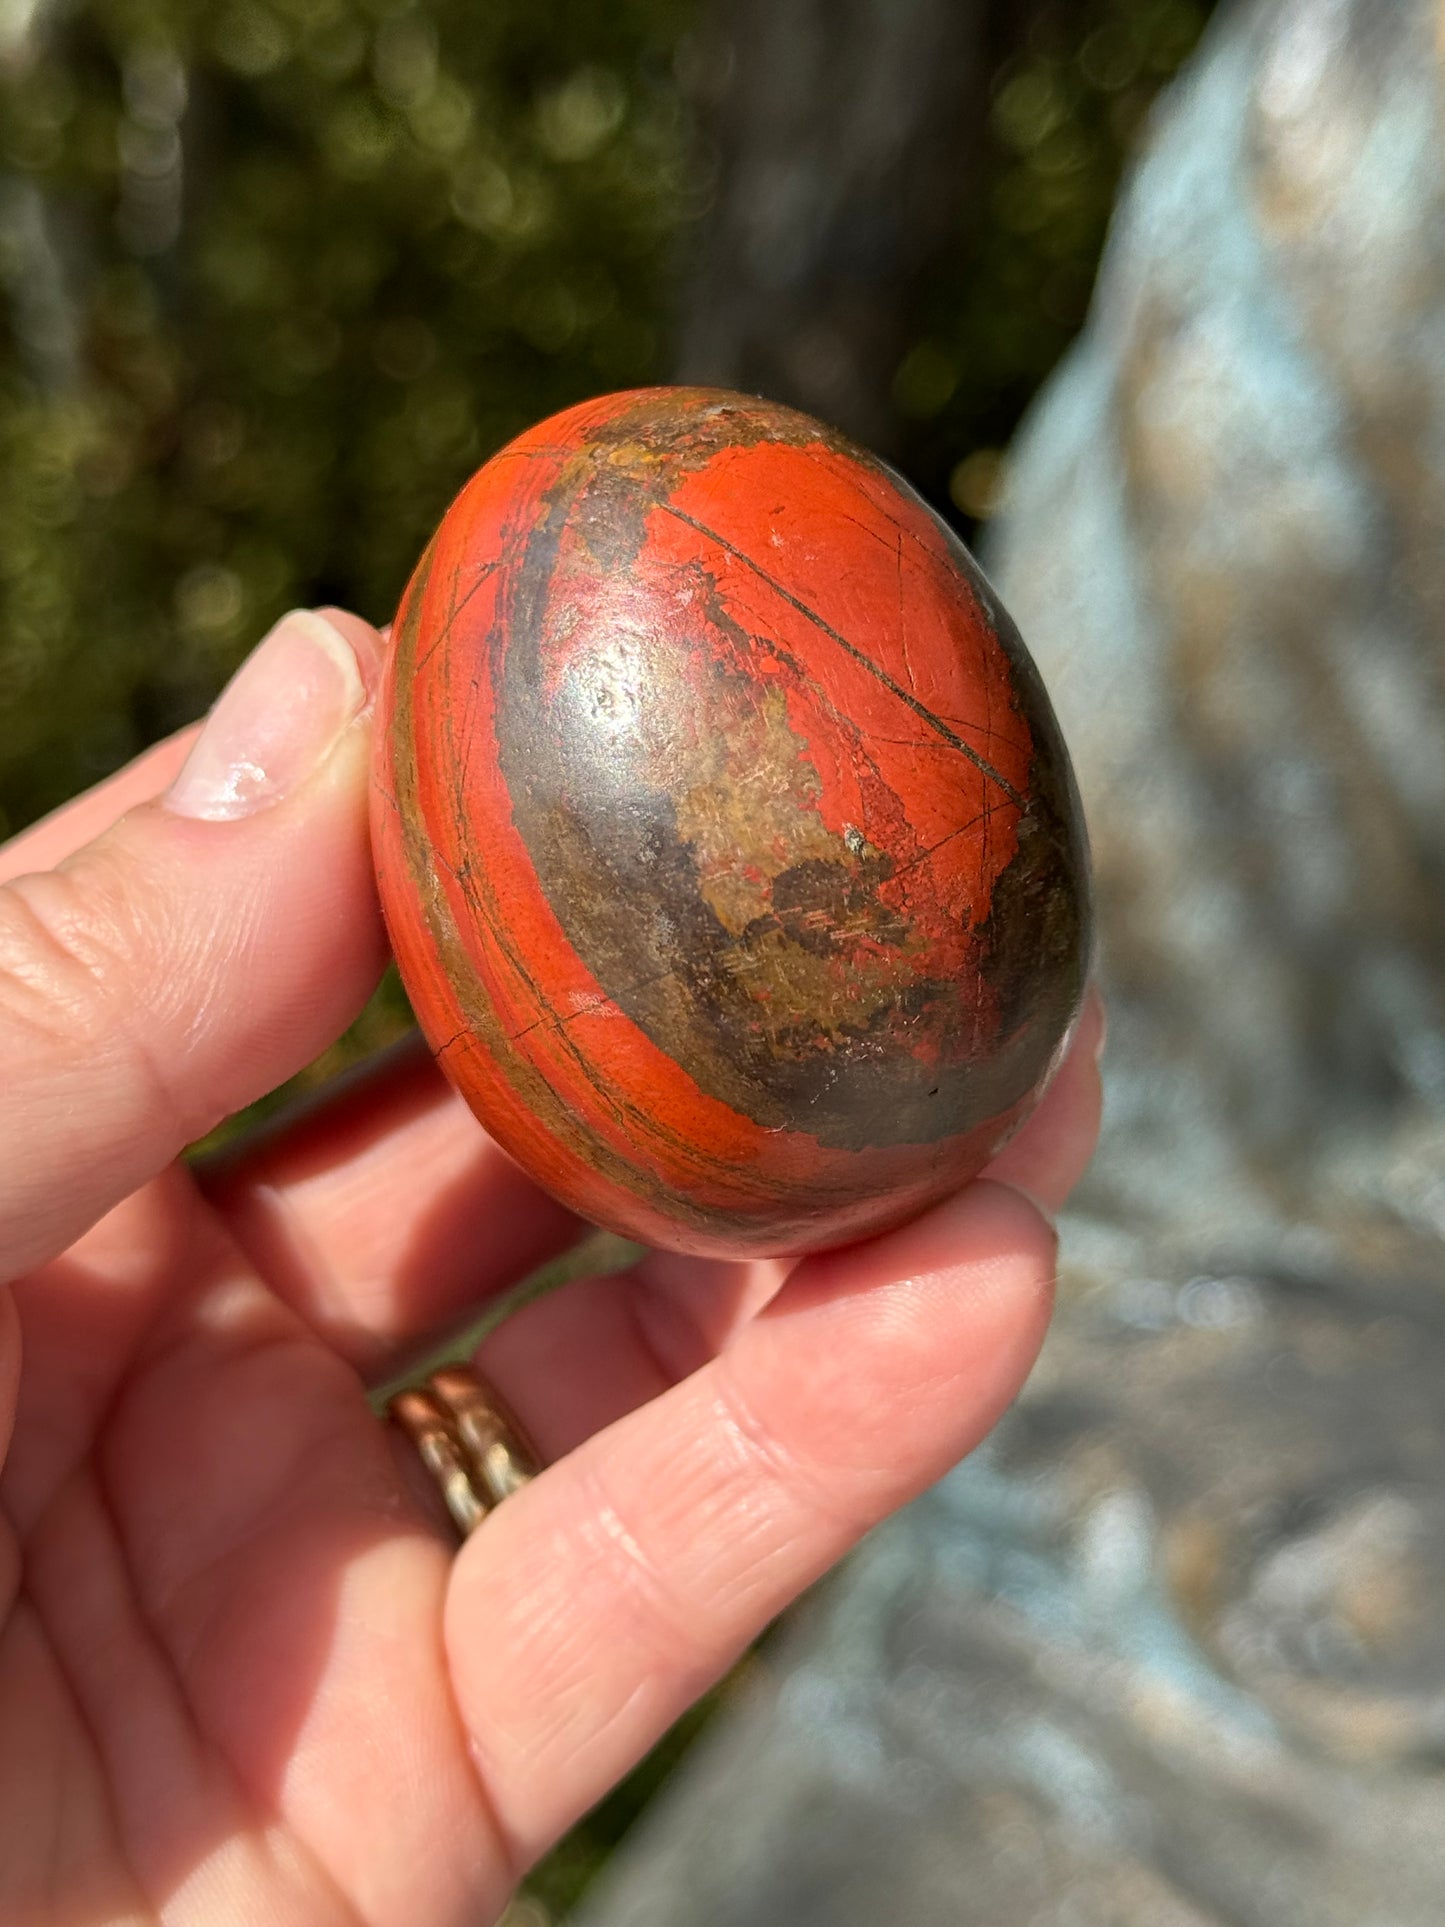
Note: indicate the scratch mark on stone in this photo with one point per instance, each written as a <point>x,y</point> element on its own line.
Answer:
<point>864,661</point>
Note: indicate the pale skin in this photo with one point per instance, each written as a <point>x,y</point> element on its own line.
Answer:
<point>246,1675</point>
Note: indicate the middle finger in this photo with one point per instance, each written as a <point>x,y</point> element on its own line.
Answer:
<point>382,1212</point>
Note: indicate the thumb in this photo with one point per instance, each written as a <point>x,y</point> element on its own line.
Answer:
<point>199,951</point>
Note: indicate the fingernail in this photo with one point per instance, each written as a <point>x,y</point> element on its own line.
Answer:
<point>276,721</point>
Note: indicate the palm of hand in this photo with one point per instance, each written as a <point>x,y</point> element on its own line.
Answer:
<point>226,1650</point>
<point>244,1674</point>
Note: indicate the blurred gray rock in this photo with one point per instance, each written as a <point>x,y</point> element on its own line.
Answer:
<point>1170,1652</point>
<point>1226,543</point>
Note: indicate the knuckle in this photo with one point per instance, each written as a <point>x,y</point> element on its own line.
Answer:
<point>57,974</point>
<point>669,1620</point>
<point>73,977</point>
<point>794,1476</point>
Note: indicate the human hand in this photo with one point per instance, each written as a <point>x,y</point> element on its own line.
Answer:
<point>244,1674</point>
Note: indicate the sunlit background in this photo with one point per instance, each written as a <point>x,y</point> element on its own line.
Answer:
<point>277,274</point>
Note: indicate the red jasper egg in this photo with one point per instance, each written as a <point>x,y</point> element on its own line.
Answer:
<point>726,838</point>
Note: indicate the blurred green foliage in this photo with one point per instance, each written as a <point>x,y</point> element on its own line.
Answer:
<point>278,274</point>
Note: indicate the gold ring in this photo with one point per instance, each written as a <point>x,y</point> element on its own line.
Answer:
<point>468,1441</point>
